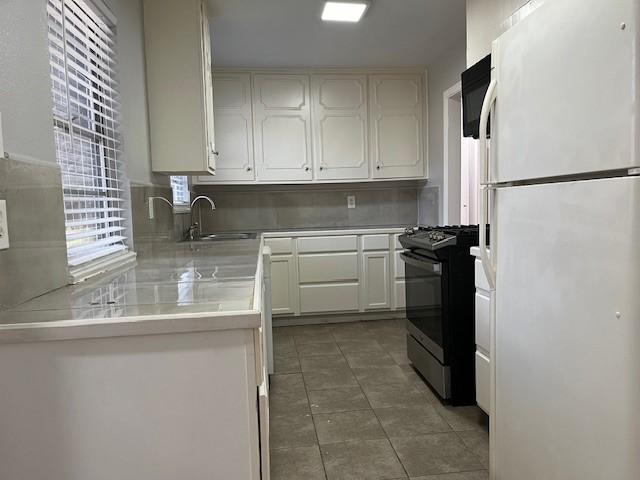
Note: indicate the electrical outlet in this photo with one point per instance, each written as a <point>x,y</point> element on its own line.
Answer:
<point>351,201</point>
<point>4,229</point>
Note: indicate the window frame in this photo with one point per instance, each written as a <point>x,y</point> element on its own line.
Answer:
<point>180,206</point>
<point>90,104</point>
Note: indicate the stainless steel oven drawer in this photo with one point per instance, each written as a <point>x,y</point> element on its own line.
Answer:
<point>438,376</point>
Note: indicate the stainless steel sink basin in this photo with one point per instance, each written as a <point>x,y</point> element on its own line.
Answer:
<point>213,237</point>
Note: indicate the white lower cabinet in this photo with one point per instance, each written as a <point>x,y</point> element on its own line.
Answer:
<point>350,272</point>
<point>323,267</point>
<point>399,282</point>
<point>484,297</point>
<point>376,280</point>
<point>329,297</point>
<point>483,381</point>
<point>284,285</point>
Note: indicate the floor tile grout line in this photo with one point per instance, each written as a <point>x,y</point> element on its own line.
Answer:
<point>457,432</point>
<point>315,430</point>
<point>378,419</point>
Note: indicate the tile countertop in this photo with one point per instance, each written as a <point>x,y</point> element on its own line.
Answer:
<point>173,287</point>
<point>330,231</point>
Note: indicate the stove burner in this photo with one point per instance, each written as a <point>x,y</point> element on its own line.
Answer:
<point>437,237</point>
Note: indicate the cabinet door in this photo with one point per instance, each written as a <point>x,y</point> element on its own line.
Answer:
<point>340,127</point>
<point>376,280</point>
<point>282,127</point>
<point>234,129</point>
<point>396,126</point>
<point>284,285</point>
<point>207,72</point>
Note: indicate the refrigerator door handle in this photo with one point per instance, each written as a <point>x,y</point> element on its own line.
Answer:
<point>483,178</point>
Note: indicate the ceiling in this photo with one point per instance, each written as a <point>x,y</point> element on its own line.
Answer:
<point>289,33</point>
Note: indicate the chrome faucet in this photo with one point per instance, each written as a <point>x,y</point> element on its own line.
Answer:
<point>151,211</point>
<point>193,232</point>
<point>203,197</point>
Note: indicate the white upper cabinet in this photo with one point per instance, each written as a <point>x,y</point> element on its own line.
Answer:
<point>179,86</point>
<point>396,126</point>
<point>324,126</point>
<point>282,127</point>
<point>340,130</point>
<point>234,129</point>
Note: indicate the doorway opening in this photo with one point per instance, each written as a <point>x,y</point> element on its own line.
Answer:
<point>461,155</point>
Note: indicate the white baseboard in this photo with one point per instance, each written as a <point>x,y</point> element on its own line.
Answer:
<point>290,320</point>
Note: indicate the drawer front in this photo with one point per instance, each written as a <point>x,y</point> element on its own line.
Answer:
<point>329,298</point>
<point>399,265</point>
<point>480,277</point>
<point>483,382</point>
<point>375,242</point>
<point>279,245</point>
<point>343,243</point>
<point>331,267</point>
<point>483,329</point>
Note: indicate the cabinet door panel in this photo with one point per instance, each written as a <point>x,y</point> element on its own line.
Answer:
<point>282,127</point>
<point>233,129</point>
<point>340,127</point>
<point>283,285</point>
<point>376,280</point>
<point>396,126</point>
<point>207,63</point>
<point>400,294</point>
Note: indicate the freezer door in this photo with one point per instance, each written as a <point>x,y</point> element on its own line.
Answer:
<point>567,332</point>
<point>567,91</point>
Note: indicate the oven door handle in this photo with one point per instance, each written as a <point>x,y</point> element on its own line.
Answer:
<point>422,263</point>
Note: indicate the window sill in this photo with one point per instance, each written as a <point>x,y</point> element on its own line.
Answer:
<point>102,265</point>
<point>181,209</point>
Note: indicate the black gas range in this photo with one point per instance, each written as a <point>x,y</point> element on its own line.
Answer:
<point>440,293</point>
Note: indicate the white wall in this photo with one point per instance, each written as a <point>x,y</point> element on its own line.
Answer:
<point>133,92</point>
<point>444,73</point>
<point>484,24</point>
<point>25,87</point>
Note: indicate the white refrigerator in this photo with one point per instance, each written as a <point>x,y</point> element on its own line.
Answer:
<point>561,191</point>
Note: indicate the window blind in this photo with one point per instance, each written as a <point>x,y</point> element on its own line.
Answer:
<point>82,53</point>
<point>180,189</point>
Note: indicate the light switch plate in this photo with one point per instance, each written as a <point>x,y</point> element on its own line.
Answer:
<point>351,201</point>
<point>4,230</point>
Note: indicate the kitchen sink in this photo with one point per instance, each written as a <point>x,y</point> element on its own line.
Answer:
<point>213,237</point>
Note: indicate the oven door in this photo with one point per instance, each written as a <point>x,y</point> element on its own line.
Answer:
<point>424,301</point>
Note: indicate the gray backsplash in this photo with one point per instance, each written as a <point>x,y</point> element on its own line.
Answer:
<point>283,207</point>
<point>165,225</point>
<point>36,261</point>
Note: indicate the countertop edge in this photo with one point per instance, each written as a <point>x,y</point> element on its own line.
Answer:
<point>333,232</point>
<point>129,326</point>
<point>138,325</point>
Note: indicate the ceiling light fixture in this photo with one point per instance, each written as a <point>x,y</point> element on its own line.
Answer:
<point>339,11</point>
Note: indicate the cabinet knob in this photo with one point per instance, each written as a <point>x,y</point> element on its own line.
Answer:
<point>215,152</point>
<point>378,167</point>
<point>248,169</point>
<point>306,169</point>
<point>321,168</point>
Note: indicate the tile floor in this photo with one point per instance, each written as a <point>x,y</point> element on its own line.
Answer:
<point>346,405</point>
